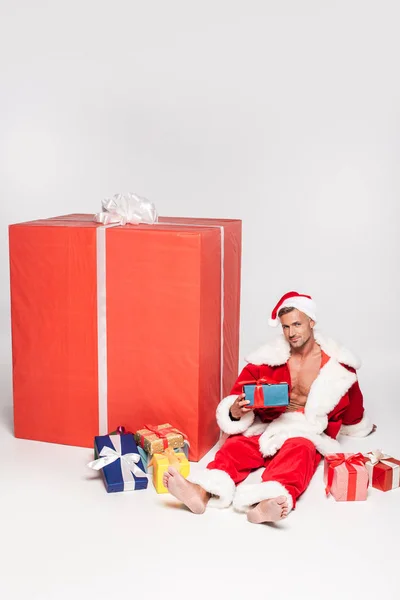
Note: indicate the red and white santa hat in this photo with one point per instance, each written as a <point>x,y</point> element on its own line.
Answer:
<point>302,302</point>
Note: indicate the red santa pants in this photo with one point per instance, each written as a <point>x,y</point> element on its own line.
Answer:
<point>293,466</point>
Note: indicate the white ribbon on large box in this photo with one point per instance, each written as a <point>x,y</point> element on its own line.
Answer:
<point>119,210</point>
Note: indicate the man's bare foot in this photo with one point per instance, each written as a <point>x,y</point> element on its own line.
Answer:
<point>268,511</point>
<point>191,494</point>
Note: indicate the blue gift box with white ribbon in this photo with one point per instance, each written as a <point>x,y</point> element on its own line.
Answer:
<point>120,462</point>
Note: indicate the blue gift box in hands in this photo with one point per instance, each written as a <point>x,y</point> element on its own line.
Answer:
<point>262,394</point>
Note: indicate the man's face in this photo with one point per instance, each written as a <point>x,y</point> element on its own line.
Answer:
<point>297,328</point>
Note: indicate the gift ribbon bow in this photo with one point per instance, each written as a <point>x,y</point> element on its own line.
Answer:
<point>377,456</point>
<point>173,459</point>
<point>334,460</point>
<point>163,433</point>
<point>258,390</point>
<point>122,431</point>
<point>127,208</point>
<point>129,462</point>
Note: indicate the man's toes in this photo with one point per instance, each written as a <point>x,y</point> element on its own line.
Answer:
<point>172,471</point>
<point>281,500</point>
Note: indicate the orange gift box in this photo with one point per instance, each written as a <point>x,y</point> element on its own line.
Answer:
<point>123,324</point>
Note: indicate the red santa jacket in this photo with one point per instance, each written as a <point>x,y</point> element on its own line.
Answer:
<point>334,404</point>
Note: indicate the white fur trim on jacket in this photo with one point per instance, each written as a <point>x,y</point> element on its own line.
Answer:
<point>224,421</point>
<point>331,384</point>
<point>329,387</point>
<point>294,424</point>
<point>273,354</point>
<point>216,482</point>
<point>323,443</point>
<point>278,352</point>
<point>257,428</point>
<point>361,429</point>
<point>249,494</point>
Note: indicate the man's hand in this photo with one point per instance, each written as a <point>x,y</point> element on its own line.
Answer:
<point>238,408</point>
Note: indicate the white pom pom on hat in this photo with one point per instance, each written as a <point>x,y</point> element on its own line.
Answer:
<point>302,302</point>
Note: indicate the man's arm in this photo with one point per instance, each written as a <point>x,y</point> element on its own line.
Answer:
<point>226,422</point>
<point>354,420</point>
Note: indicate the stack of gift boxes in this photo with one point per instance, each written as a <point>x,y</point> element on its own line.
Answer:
<point>348,476</point>
<point>126,458</point>
<point>137,324</point>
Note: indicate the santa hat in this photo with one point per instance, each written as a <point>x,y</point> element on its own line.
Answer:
<point>303,303</point>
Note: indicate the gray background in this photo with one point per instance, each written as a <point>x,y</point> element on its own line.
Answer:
<point>285,114</point>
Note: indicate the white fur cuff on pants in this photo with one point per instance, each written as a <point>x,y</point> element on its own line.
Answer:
<point>248,495</point>
<point>218,483</point>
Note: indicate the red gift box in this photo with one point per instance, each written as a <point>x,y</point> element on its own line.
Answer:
<point>384,470</point>
<point>123,324</point>
<point>346,477</point>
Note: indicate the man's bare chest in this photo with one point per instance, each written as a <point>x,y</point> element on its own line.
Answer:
<point>303,372</point>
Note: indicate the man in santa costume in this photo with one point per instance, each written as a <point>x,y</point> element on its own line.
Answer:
<point>324,400</point>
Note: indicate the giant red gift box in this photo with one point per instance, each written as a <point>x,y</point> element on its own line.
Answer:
<point>133,324</point>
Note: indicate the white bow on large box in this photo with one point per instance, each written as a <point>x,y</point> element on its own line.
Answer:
<point>127,208</point>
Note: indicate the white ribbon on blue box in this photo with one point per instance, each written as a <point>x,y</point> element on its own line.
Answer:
<point>120,462</point>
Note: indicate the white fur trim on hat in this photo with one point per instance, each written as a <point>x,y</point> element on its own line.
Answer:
<point>302,303</point>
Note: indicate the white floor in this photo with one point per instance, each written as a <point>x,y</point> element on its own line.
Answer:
<point>63,536</point>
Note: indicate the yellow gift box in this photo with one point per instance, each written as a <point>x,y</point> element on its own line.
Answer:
<point>161,462</point>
